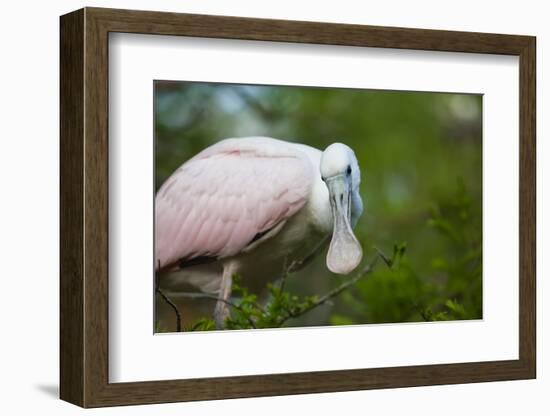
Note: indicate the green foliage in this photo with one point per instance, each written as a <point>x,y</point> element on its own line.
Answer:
<point>395,292</point>
<point>391,294</point>
<point>203,324</point>
<point>247,313</point>
<point>459,220</point>
<point>411,148</point>
<point>398,253</point>
<point>451,290</point>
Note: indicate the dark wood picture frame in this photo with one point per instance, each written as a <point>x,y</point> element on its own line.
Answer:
<point>84,207</point>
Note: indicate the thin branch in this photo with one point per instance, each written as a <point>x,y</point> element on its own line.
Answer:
<point>202,295</point>
<point>386,259</point>
<point>334,292</point>
<point>168,301</point>
<point>290,314</point>
<point>193,295</point>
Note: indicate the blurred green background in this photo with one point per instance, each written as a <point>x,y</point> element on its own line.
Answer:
<point>420,156</point>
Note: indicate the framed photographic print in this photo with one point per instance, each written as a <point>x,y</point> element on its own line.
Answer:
<point>255,207</point>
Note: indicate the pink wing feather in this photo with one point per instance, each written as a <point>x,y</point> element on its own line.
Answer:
<point>218,201</point>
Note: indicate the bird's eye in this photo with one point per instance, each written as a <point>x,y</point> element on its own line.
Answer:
<point>348,172</point>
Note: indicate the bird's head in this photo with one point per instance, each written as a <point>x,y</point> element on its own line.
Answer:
<point>341,174</point>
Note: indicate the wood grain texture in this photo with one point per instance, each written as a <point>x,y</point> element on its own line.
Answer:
<point>96,218</point>
<point>225,27</point>
<point>527,208</point>
<point>84,207</point>
<point>71,208</point>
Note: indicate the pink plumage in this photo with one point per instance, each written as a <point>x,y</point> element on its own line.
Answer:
<point>218,201</point>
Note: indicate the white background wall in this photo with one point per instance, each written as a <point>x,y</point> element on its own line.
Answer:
<point>29,209</point>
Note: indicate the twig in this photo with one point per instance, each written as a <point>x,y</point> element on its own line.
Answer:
<point>168,301</point>
<point>208,296</point>
<point>334,292</point>
<point>386,259</point>
<point>201,295</point>
<point>290,314</point>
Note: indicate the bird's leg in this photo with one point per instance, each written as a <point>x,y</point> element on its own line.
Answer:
<point>221,312</point>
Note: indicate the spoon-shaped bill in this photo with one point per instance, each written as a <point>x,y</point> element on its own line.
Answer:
<point>345,252</point>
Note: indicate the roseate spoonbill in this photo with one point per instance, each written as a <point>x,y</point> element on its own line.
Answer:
<point>251,206</point>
